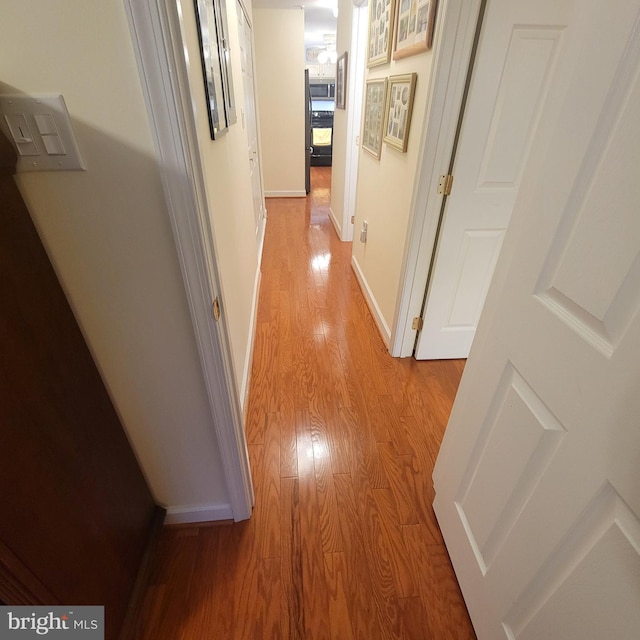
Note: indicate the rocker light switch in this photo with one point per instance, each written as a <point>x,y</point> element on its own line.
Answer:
<point>19,130</point>
<point>40,127</point>
<point>46,124</point>
<point>53,145</point>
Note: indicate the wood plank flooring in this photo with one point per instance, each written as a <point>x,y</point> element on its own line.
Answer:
<point>343,543</point>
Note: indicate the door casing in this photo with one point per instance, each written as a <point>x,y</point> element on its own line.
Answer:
<point>157,39</point>
<point>455,36</point>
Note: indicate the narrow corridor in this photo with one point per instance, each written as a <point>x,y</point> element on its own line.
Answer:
<point>343,542</point>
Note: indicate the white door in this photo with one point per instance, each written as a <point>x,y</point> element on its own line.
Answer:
<point>251,122</point>
<point>517,51</point>
<point>538,478</point>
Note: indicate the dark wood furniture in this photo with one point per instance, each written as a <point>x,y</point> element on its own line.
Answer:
<point>76,514</point>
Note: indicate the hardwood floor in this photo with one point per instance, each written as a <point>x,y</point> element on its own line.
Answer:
<point>343,543</point>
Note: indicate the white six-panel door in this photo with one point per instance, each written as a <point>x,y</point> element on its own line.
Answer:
<point>538,479</point>
<point>515,61</point>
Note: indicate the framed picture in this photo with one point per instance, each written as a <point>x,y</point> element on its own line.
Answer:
<point>341,81</point>
<point>211,21</point>
<point>401,91</point>
<point>414,27</point>
<point>311,54</point>
<point>222,26</point>
<point>381,14</point>
<point>374,111</point>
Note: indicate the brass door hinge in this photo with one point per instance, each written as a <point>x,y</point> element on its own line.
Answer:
<point>353,219</point>
<point>216,308</point>
<point>417,323</point>
<point>444,185</point>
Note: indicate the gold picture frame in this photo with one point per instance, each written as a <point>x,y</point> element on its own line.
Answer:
<point>415,20</point>
<point>375,100</point>
<point>380,39</point>
<point>399,106</point>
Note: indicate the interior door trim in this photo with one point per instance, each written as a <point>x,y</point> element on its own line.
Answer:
<point>455,36</point>
<point>156,33</point>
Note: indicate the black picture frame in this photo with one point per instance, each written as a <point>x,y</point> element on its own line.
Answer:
<point>216,65</point>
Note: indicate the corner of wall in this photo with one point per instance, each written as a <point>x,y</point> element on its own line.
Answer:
<point>384,195</point>
<point>194,514</point>
<point>383,327</point>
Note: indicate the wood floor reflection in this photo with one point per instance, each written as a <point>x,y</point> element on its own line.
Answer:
<point>343,542</point>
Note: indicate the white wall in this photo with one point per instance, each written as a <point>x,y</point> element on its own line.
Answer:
<point>108,234</point>
<point>385,190</point>
<point>279,56</point>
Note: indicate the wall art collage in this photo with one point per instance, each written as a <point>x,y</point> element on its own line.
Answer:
<point>406,28</point>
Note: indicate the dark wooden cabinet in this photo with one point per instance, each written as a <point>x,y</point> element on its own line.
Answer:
<point>76,513</point>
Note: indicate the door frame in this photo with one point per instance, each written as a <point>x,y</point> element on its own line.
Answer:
<point>263,209</point>
<point>308,148</point>
<point>455,36</point>
<point>156,33</point>
<point>355,93</point>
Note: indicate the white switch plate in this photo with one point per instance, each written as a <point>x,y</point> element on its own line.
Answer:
<point>364,231</point>
<point>50,144</point>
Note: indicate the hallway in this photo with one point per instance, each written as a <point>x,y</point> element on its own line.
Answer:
<point>343,542</point>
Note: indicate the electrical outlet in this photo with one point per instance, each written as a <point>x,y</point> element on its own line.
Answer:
<point>363,231</point>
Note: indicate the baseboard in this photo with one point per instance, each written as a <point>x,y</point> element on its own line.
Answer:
<point>244,391</point>
<point>198,513</point>
<point>129,630</point>
<point>285,194</point>
<point>370,299</point>
<point>334,221</point>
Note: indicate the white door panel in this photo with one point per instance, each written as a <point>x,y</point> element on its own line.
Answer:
<point>251,120</point>
<point>538,479</point>
<point>515,63</point>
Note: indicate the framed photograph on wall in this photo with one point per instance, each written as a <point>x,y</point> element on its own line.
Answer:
<point>414,27</point>
<point>211,22</point>
<point>401,90</point>
<point>341,81</point>
<point>375,97</point>
<point>381,15</point>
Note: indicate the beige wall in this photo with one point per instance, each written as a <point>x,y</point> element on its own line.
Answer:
<point>384,193</point>
<point>226,168</point>
<point>108,234</point>
<point>279,56</point>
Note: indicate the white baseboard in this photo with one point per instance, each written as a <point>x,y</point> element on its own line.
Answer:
<point>336,224</point>
<point>383,328</point>
<point>198,513</point>
<point>244,391</point>
<point>285,194</point>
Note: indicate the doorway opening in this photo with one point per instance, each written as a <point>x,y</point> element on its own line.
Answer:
<point>320,55</point>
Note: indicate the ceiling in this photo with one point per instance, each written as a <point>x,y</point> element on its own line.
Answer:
<point>318,17</point>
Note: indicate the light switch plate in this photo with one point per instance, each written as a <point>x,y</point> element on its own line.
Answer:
<point>50,144</point>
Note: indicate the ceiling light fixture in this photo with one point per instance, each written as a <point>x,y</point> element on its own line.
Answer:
<point>327,56</point>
